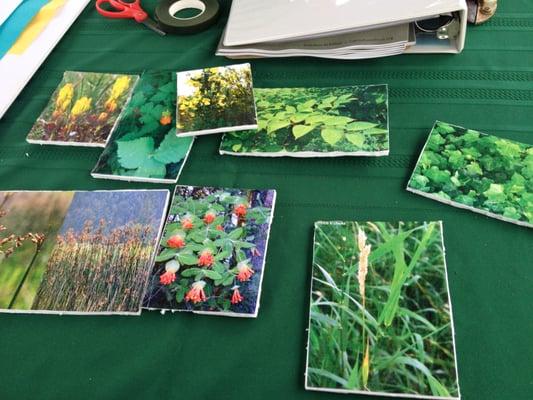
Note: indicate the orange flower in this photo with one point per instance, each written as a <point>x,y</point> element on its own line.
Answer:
<point>187,224</point>
<point>165,118</point>
<point>56,114</point>
<point>240,210</point>
<point>209,217</point>
<point>236,298</point>
<point>169,275</point>
<point>244,271</point>
<point>176,242</point>
<point>206,258</point>
<point>220,228</point>
<point>110,105</point>
<point>102,117</point>
<point>196,294</point>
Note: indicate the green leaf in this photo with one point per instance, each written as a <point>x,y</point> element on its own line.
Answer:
<point>190,272</point>
<point>495,193</point>
<point>173,149</point>
<point>236,147</point>
<point>332,121</point>
<point>361,126</point>
<point>236,234</point>
<point>212,274</point>
<point>331,135</point>
<point>357,139</point>
<point>277,124</point>
<point>375,131</point>
<point>299,117</point>
<point>290,109</point>
<point>301,130</point>
<point>165,255</point>
<point>151,168</point>
<point>131,154</point>
<point>187,259</point>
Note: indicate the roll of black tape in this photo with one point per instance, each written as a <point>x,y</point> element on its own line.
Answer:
<point>167,9</point>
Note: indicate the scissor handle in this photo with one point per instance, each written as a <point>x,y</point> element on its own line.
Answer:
<point>123,9</point>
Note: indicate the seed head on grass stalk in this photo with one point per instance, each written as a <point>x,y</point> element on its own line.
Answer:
<point>364,252</point>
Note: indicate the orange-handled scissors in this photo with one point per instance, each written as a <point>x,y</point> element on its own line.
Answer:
<point>127,9</point>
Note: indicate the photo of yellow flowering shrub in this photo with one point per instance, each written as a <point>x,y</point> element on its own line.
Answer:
<point>218,99</point>
<point>380,314</point>
<point>83,109</point>
<point>212,253</point>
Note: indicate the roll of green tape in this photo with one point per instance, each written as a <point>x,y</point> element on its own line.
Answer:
<point>167,10</point>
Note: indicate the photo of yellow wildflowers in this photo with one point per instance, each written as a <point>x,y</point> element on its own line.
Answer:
<point>83,109</point>
<point>218,99</point>
<point>380,312</point>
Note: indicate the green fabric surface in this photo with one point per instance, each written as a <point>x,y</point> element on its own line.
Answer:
<point>489,88</point>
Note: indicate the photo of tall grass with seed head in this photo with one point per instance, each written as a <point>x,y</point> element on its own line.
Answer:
<point>29,222</point>
<point>103,253</point>
<point>83,109</point>
<point>380,313</point>
<point>215,99</point>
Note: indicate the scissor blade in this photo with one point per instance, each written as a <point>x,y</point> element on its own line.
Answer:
<point>150,23</point>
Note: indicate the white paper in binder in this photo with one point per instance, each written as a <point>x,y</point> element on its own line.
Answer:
<point>344,29</point>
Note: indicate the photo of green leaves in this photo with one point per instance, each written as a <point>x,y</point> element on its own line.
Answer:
<point>212,253</point>
<point>83,109</point>
<point>316,122</point>
<point>479,172</point>
<point>218,99</point>
<point>144,146</point>
<point>380,313</point>
<point>29,223</point>
<point>96,259</point>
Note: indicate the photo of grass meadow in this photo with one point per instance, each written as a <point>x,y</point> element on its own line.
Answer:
<point>301,122</point>
<point>103,253</point>
<point>144,145</point>
<point>212,251</point>
<point>480,172</point>
<point>29,223</point>
<point>380,313</point>
<point>214,99</point>
<point>83,109</point>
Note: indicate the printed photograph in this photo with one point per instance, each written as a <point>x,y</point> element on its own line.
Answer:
<point>100,259</point>
<point>213,100</point>
<point>212,253</point>
<point>479,172</point>
<point>144,146</point>
<point>316,122</point>
<point>380,312</point>
<point>83,109</point>
<point>29,224</point>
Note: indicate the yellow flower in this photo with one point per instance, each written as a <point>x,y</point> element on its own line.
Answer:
<point>206,102</point>
<point>65,97</point>
<point>102,117</point>
<point>119,87</point>
<point>82,105</point>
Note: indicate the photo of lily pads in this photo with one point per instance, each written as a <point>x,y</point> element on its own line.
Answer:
<point>217,99</point>
<point>212,252</point>
<point>95,258</point>
<point>479,172</point>
<point>144,146</point>
<point>83,109</point>
<point>316,122</point>
<point>380,314</point>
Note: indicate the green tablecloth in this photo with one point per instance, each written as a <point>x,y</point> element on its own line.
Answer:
<point>489,87</point>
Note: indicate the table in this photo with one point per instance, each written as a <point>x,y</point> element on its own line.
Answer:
<point>489,87</point>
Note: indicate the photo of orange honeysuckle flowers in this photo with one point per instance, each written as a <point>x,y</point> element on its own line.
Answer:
<point>83,109</point>
<point>212,252</point>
